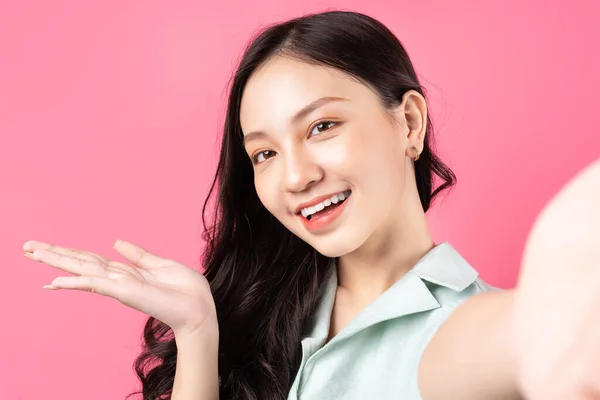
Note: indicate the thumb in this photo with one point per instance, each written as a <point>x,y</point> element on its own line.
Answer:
<point>137,255</point>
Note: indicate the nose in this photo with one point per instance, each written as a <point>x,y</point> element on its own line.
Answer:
<point>301,171</point>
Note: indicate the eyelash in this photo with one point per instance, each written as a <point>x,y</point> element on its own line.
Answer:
<point>325,122</point>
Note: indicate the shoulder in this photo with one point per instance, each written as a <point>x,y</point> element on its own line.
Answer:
<point>452,300</point>
<point>469,342</point>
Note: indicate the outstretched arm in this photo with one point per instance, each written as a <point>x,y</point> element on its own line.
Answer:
<point>470,356</point>
<point>543,338</point>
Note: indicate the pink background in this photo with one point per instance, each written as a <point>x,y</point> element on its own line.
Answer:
<point>109,116</point>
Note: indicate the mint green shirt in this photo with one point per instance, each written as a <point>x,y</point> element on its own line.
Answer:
<point>376,356</point>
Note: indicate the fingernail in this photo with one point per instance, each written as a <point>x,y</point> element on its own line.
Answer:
<point>50,287</point>
<point>30,255</point>
<point>117,243</point>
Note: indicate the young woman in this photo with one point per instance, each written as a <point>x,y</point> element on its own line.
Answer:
<point>322,278</point>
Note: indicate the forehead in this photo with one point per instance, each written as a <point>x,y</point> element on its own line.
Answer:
<point>282,86</point>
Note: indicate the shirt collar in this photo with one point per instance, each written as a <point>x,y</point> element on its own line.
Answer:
<point>442,266</point>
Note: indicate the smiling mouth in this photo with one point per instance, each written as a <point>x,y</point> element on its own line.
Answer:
<point>325,207</point>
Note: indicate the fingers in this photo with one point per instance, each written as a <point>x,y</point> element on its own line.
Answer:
<point>31,245</point>
<point>68,263</point>
<point>94,284</point>
<point>120,286</point>
<point>137,255</point>
<point>79,262</point>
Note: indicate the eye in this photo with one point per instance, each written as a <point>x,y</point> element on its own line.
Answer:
<point>262,156</point>
<point>322,127</point>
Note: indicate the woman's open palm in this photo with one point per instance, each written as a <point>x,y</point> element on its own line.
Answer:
<point>173,293</point>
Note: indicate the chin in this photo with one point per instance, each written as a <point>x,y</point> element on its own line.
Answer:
<point>336,245</point>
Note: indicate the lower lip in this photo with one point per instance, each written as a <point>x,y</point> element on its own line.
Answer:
<point>323,220</point>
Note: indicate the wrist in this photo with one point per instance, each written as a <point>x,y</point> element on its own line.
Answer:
<point>207,332</point>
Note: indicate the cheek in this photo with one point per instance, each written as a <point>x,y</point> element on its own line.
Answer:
<point>379,171</point>
<point>375,156</point>
<point>350,155</point>
<point>266,190</point>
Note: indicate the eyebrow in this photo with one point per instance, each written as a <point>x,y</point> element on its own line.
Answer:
<point>299,116</point>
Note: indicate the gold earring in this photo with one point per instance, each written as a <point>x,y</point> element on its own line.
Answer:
<point>416,153</point>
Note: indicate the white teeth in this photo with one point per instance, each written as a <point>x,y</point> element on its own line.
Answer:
<point>336,198</point>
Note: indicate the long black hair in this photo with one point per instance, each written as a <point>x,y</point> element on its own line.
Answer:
<point>264,279</point>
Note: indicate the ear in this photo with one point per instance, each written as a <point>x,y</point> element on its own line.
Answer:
<point>413,111</point>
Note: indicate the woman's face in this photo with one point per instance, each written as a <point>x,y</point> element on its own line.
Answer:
<point>328,162</point>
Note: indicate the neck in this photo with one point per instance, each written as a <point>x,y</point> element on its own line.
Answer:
<point>388,254</point>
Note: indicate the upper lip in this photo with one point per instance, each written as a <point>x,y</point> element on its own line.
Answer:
<point>314,201</point>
